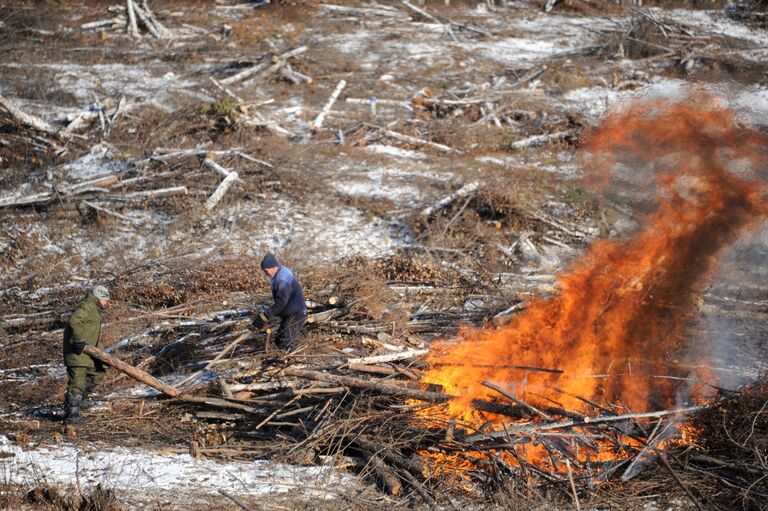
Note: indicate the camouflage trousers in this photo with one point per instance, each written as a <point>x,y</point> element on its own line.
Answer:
<point>79,377</point>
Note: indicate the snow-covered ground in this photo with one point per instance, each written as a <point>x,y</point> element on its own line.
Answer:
<point>146,472</point>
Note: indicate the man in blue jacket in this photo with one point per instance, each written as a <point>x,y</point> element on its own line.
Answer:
<point>289,304</point>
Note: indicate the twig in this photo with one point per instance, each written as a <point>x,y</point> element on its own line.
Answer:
<point>663,457</point>
<point>235,500</point>
<point>515,400</point>
<point>573,486</point>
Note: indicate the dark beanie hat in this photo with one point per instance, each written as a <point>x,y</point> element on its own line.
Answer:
<point>269,261</point>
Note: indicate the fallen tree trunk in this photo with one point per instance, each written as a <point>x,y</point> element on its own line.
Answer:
<point>242,75</point>
<point>109,23</point>
<point>221,190</point>
<point>320,119</point>
<point>95,185</point>
<point>378,359</point>
<point>419,141</point>
<point>156,194</point>
<point>382,388</point>
<point>414,464</point>
<point>131,371</point>
<point>538,140</point>
<point>133,28</point>
<point>386,476</point>
<point>31,121</point>
<point>537,428</point>
<point>446,201</point>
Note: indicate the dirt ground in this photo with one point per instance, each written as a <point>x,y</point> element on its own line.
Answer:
<point>468,85</point>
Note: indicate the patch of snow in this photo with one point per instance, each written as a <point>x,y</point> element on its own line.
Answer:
<point>154,85</point>
<point>98,161</point>
<point>491,159</point>
<point>513,50</point>
<point>145,471</point>
<point>395,151</point>
<point>594,101</point>
<point>374,188</point>
<point>751,105</point>
<point>716,23</point>
<point>308,231</point>
<point>565,166</point>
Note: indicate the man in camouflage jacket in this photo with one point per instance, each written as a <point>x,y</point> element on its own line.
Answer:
<point>83,372</point>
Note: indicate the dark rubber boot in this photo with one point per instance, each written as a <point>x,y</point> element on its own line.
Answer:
<point>86,403</point>
<point>72,408</point>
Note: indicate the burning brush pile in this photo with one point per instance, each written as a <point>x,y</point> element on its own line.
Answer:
<point>580,393</point>
<point>587,382</point>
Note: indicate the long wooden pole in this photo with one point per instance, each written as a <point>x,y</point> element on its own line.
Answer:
<point>131,371</point>
<point>349,381</point>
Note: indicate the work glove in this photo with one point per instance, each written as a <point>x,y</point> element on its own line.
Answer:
<point>79,347</point>
<point>260,321</point>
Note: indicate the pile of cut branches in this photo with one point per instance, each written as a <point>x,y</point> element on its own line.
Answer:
<point>372,414</point>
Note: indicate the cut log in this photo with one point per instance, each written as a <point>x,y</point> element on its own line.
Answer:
<point>99,182</point>
<point>216,402</point>
<point>418,141</point>
<point>268,385</point>
<point>514,428</point>
<point>109,23</point>
<point>328,315</point>
<point>379,359</point>
<point>164,32</point>
<point>415,465</point>
<point>221,190</point>
<point>538,140</point>
<point>294,76</point>
<point>146,21</point>
<point>446,201</point>
<point>79,121</point>
<point>159,193</point>
<point>28,120</point>
<point>318,122</point>
<point>225,391</point>
<point>363,368</point>
<point>95,185</point>
<point>349,381</point>
<point>131,371</point>
<point>225,90</point>
<point>242,75</point>
<point>422,12</point>
<point>388,102</point>
<point>385,475</point>
<point>133,29</point>
<point>379,10</point>
<point>223,172</point>
<point>111,213</point>
<point>258,121</point>
<point>644,457</point>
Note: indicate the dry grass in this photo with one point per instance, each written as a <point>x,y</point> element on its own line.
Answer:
<point>53,498</point>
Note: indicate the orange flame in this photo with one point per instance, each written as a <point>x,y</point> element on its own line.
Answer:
<point>625,306</point>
